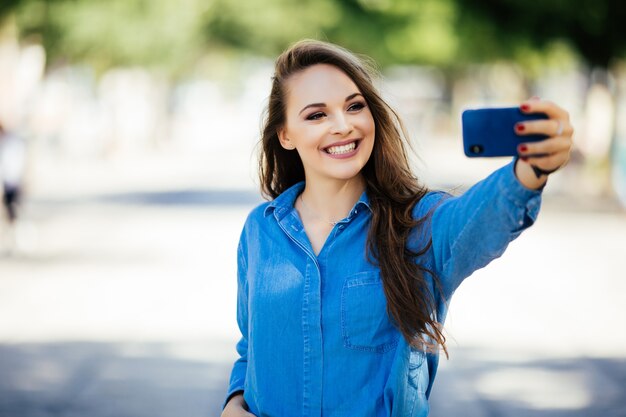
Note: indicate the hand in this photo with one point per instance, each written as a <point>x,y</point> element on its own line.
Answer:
<point>236,407</point>
<point>540,159</point>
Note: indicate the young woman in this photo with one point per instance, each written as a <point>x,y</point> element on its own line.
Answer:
<point>345,275</point>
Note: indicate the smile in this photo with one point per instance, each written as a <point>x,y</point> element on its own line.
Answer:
<point>342,149</point>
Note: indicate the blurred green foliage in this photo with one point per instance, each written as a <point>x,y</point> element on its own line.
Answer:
<point>176,35</point>
<point>592,28</point>
<point>107,33</point>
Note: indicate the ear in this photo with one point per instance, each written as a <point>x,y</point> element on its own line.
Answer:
<point>285,142</point>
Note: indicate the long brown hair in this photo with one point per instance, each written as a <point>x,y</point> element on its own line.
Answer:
<point>392,189</point>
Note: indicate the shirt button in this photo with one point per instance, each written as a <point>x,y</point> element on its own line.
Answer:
<point>521,222</point>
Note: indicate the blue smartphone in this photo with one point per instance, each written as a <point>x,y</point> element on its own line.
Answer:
<point>491,131</point>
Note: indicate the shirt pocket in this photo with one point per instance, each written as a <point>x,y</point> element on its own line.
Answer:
<point>365,324</point>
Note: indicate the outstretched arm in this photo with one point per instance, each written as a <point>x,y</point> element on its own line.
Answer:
<point>471,230</point>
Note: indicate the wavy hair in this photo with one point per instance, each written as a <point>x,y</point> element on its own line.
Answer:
<point>392,188</point>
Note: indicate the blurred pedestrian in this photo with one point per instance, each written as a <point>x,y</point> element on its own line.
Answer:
<point>12,162</point>
<point>345,275</point>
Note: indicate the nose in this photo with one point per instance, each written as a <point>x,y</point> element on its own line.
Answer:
<point>341,125</point>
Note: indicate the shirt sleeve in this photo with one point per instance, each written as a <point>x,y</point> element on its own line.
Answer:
<point>238,374</point>
<point>471,230</point>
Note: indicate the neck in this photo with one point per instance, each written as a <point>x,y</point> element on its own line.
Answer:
<point>333,199</point>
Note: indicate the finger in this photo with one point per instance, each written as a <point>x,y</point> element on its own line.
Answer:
<point>549,127</point>
<point>548,146</point>
<point>544,106</point>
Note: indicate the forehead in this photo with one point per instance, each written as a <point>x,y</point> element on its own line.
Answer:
<point>320,83</point>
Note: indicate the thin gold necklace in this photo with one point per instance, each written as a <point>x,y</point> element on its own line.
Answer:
<point>317,216</point>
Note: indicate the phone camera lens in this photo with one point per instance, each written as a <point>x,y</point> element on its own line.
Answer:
<point>476,149</point>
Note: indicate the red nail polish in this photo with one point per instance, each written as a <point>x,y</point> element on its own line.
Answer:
<point>520,127</point>
<point>524,158</point>
<point>522,148</point>
<point>525,107</point>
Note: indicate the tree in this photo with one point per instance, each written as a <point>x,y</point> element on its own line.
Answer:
<point>590,27</point>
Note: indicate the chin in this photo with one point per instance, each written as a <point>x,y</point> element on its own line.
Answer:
<point>346,174</point>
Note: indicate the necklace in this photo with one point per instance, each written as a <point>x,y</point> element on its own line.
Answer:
<point>317,216</point>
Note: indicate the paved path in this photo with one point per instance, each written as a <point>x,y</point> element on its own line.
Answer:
<point>122,304</point>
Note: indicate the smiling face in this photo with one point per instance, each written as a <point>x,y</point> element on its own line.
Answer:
<point>328,122</point>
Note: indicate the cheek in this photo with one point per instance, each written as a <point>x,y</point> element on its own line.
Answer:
<point>367,123</point>
<point>300,133</point>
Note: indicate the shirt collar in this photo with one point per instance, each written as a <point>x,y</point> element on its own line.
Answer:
<point>282,204</point>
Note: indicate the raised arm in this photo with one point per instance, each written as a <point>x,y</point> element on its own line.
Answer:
<point>471,230</point>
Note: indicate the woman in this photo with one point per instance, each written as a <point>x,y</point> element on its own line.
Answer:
<point>345,275</point>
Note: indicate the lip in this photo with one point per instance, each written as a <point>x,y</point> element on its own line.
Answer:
<point>343,142</point>
<point>343,155</point>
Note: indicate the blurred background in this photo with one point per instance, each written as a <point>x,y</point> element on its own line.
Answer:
<point>129,150</point>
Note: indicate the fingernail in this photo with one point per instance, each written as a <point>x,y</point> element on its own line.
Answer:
<point>524,158</point>
<point>520,127</point>
<point>525,107</point>
<point>522,148</point>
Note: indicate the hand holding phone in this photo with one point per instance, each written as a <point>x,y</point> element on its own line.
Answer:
<point>490,132</point>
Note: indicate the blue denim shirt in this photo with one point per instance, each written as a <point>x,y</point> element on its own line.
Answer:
<point>316,338</point>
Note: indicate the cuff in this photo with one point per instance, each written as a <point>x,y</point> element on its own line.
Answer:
<point>527,199</point>
<point>231,394</point>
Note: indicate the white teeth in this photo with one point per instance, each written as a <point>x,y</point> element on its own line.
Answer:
<point>338,150</point>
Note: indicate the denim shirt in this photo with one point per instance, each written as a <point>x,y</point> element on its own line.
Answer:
<point>316,338</point>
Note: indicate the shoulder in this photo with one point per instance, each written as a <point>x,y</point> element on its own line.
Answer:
<point>261,211</point>
<point>258,214</point>
<point>252,225</point>
<point>265,216</point>
<point>427,204</point>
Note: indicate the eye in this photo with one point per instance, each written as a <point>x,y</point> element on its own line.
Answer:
<point>356,106</point>
<point>315,116</point>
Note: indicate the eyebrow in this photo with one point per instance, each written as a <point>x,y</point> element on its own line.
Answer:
<point>350,97</point>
